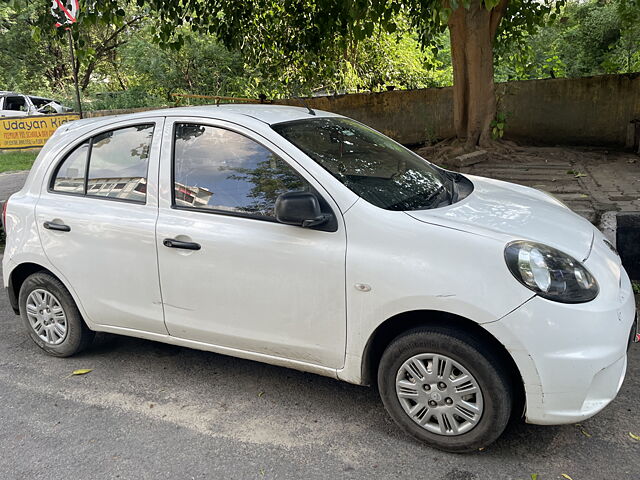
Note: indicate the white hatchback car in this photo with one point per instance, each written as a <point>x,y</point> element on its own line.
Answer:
<point>18,105</point>
<point>308,240</point>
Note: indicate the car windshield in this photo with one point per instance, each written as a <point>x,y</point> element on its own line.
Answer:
<point>39,102</point>
<point>371,165</point>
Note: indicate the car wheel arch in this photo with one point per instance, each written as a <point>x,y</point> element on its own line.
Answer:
<point>404,322</point>
<point>20,273</point>
<point>17,277</point>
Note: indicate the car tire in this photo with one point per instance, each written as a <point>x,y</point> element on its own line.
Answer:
<point>440,413</point>
<point>47,309</point>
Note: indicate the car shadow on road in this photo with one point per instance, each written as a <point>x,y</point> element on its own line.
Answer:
<point>213,379</point>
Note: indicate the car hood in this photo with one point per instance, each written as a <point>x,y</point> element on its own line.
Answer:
<point>508,211</point>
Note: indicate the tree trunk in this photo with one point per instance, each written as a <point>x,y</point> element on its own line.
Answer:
<point>86,78</point>
<point>472,32</point>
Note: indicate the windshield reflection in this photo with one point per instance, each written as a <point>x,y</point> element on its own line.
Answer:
<point>371,165</point>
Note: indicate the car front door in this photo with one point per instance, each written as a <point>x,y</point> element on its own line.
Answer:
<point>96,219</point>
<point>253,285</point>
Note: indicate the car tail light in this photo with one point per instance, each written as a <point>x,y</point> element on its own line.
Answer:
<point>4,213</point>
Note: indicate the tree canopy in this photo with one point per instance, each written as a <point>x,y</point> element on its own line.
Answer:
<point>137,53</point>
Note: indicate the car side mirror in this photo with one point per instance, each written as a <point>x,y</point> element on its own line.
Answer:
<point>301,209</point>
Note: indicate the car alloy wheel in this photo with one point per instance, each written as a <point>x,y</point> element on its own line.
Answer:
<point>46,316</point>
<point>439,394</point>
<point>446,387</point>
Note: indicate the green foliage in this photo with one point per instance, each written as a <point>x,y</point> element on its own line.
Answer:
<point>202,66</point>
<point>150,60</point>
<point>497,125</point>
<point>394,60</point>
<point>294,46</point>
<point>138,53</point>
<point>133,97</point>
<point>36,59</point>
<point>385,60</point>
<point>314,28</point>
<point>307,45</point>
<point>26,60</point>
<point>586,38</point>
<point>17,160</point>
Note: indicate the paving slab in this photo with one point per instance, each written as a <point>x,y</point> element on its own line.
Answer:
<point>590,181</point>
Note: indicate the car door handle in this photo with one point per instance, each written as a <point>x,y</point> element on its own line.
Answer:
<point>173,243</point>
<point>60,227</point>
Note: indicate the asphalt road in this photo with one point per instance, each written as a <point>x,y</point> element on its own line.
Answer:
<point>10,183</point>
<point>150,411</point>
<point>154,411</point>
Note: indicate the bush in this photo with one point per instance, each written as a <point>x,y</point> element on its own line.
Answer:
<point>132,98</point>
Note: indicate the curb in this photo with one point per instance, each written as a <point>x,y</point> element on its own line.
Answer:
<point>624,226</point>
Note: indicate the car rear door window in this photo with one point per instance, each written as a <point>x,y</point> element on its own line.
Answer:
<point>118,163</point>
<point>220,170</point>
<point>112,164</point>
<point>71,174</point>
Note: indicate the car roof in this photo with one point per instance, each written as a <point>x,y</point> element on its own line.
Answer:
<point>267,113</point>
<point>40,98</point>
<point>7,93</point>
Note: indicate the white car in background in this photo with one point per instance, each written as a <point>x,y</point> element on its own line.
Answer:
<point>308,240</point>
<point>18,105</point>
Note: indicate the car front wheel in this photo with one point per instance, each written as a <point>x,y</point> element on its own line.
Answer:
<point>52,317</point>
<point>445,388</point>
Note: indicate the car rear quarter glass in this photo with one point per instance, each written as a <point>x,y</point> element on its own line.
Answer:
<point>70,175</point>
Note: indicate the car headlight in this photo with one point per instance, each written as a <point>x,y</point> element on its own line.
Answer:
<point>550,273</point>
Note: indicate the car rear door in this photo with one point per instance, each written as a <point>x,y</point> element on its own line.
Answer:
<point>96,219</point>
<point>253,284</point>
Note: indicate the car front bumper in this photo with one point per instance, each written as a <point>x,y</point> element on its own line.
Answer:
<point>572,358</point>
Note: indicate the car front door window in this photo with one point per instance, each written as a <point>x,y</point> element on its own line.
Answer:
<point>220,170</point>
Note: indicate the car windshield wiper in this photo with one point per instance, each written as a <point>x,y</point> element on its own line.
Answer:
<point>453,196</point>
<point>425,203</point>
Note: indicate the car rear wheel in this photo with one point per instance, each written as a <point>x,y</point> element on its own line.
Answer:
<point>445,388</point>
<point>52,317</point>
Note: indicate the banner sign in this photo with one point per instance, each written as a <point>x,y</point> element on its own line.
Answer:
<point>32,131</point>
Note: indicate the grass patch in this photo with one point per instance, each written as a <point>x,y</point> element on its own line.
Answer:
<point>19,160</point>
<point>636,286</point>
